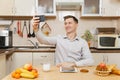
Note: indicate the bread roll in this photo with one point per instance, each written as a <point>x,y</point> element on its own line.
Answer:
<point>84,70</point>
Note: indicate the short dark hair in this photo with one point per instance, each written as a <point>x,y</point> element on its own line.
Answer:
<point>70,16</point>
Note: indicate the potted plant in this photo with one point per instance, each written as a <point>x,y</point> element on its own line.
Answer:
<point>88,37</point>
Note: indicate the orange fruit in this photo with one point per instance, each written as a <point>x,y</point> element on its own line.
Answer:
<point>13,74</point>
<point>35,74</point>
<point>34,70</point>
<point>28,67</point>
<point>17,75</point>
<point>18,71</point>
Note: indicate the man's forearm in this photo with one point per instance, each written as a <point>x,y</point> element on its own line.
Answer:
<point>86,62</point>
<point>45,39</point>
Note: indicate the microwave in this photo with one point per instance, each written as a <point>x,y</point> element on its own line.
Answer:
<point>107,41</point>
<point>5,39</point>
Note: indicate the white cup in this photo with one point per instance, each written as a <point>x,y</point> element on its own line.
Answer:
<point>46,67</point>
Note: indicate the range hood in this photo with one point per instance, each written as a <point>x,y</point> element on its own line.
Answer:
<point>69,5</point>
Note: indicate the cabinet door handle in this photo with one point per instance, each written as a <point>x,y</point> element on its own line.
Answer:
<point>43,56</point>
<point>103,10</point>
<point>15,10</point>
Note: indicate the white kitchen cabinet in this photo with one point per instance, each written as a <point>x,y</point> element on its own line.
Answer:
<point>27,7</point>
<point>17,7</point>
<point>108,58</point>
<point>46,7</point>
<point>110,8</point>
<point>20,58</point>
<point>2,66</point>
<point>40,58</point>
<point>8,63</point>
<point>104,8</point>
<point>24,7</point>
<point>6,7</point>
<point>91,8</point>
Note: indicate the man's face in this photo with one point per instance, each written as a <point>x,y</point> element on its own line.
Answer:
<point>70,25</point>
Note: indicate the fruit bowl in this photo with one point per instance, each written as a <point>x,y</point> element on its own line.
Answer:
<point>102,73</point>
<point>27,71</point>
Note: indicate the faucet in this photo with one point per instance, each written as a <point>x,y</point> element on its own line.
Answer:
<point>35,44</point>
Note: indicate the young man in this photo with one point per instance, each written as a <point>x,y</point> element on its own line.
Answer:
<point>71,50</point>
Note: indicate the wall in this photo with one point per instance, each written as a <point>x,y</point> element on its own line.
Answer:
<point>57,26</point>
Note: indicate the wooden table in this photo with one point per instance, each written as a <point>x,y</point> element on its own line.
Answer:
<point>54,74</point>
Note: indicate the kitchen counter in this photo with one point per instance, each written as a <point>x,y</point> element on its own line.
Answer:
<point>94,50</point>
<point>54,74</point>
<point>2,51</point>
<point>27,49</point>
<point>35,50</point>
<point>49,49</point>
<point>7,51</point>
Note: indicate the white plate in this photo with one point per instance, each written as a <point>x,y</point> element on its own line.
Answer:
<point>68,71</point>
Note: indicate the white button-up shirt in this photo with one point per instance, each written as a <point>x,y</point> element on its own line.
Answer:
<point>67,50</point>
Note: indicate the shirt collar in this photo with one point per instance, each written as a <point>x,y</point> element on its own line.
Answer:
<point>76,38</point>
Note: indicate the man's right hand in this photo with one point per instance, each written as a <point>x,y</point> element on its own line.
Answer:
<point>66,64</point>
<point>35,23</point>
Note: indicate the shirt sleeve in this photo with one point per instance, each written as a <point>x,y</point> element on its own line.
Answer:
<point>87,59</point>
<point>45,39</point>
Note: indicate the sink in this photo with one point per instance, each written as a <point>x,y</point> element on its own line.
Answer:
<point>33,49</point>
<point>28,48</point>
<point>24,48</point>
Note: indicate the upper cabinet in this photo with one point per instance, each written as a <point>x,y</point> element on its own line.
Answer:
<point>17,7</point>
<point>91,8</point>
<point>27,7</point>
<point>103,8</point>
<point>110,8</point>
<point>6,7</point>
<point>46,7</point>
<point>24,7</point>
